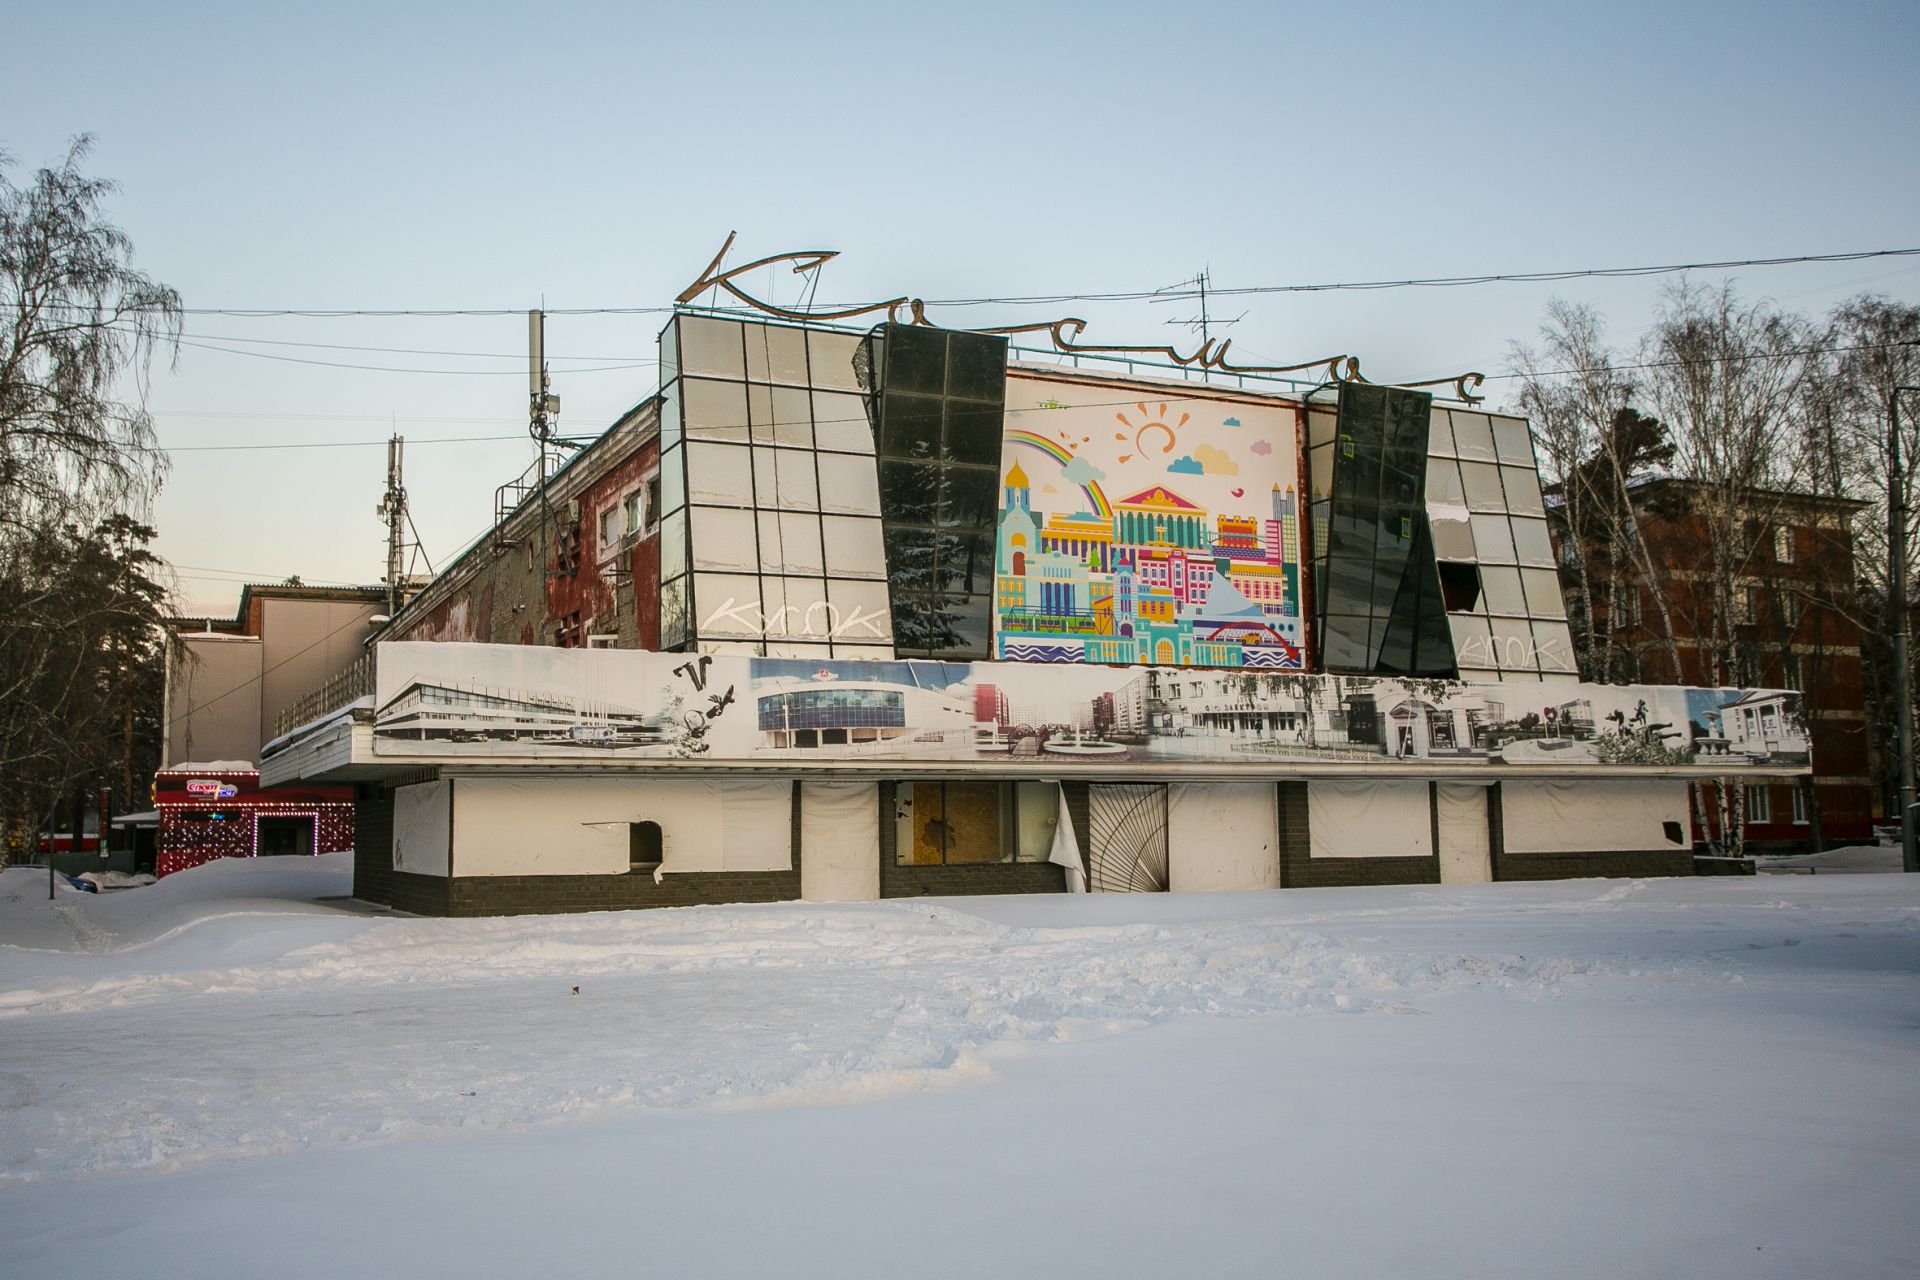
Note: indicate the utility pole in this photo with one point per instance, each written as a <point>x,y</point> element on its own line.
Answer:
<point>393,509</point>
<point>1897,603</point>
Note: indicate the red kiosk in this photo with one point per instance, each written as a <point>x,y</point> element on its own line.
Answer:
<point>218,810</point>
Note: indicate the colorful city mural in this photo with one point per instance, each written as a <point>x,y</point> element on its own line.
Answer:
<point>1162,531</point>
<point>514,702</point>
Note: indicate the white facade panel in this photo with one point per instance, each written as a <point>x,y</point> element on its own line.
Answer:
<point>1369,820</point>
<point>423,828</point>
<point>542,826</point>
<point>580,826</point>
<point>839,841</point>
<point>1601,816</point>
<point>1466,849</point>
<point>1222,836</point>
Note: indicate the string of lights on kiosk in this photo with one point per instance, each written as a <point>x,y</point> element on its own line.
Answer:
<point>217,813</point>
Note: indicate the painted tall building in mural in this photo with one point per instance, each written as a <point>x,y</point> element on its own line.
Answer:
<point>1198,565</point>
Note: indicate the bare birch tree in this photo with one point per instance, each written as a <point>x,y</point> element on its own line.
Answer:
<point>1728,379</point>
<point>79,468</point>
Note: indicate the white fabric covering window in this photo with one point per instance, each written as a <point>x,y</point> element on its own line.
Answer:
<point>1460,813</point>
<point>1065,850</point>
<point>739,826</point>
<point>839,841</point>
<point>579,826</point>
<point>1591,817</point>
<point>1222,835</point>
<point>1369,820</point>
<point>423,828</point>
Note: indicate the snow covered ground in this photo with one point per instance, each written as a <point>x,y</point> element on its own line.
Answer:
<point>236,1072</point>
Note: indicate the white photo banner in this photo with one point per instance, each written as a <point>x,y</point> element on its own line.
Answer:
<point>532,704</point>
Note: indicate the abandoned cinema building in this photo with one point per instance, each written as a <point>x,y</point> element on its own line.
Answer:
<point>858,606</point>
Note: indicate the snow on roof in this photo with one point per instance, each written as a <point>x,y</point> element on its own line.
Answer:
<point>211,766</point>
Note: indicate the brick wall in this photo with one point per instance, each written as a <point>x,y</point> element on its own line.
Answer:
<point>1575,866</point>
<point>512,587</point>
<point>1299,870</point>
<point>374,879</point>
<point>543,895</point>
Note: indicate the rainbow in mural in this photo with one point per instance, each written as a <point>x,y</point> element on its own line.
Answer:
<point>1197,565</point>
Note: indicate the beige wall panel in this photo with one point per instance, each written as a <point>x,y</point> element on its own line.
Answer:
<point>1590,817</point>
<point>213,699</point>
<point>839,841</point>
<point>1369,820</point>
<point>307,643</point>
<point>423,828</point>
<point>1466,849</point>
<point>1222,835</point>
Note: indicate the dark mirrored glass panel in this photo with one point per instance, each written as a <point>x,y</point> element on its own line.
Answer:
<point>973,433</point>
<point>1380,601</point>
<point>939,400</point>
<point>916,359</point>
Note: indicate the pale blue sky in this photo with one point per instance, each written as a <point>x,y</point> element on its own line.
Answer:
<point>415,156</point>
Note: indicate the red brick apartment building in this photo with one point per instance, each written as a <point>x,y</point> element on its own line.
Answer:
<point>1776,613</point>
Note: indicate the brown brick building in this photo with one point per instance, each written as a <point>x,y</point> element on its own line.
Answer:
<point>1773,608</point>
<point>587,575</point>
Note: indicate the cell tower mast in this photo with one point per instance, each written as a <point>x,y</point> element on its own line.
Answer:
<point>393,509</point>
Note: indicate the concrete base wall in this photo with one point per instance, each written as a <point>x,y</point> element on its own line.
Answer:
<point>1635,863</point>
<point>1299,871</point>
<point>374,879</point>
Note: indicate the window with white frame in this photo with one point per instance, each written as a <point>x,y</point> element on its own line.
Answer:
<point>1790,608</point>
<point>1790,674</point>
<point>606,640</point>
<point>1759,804</point>
<point>1800,806</point>
<point>633,507</point>
<point>1782,545</point>
<point>610,528</point>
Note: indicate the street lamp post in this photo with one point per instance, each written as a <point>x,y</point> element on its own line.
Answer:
<point>1897,603</point>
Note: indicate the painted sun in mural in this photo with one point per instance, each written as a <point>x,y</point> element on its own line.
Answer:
<point>1154,419</point>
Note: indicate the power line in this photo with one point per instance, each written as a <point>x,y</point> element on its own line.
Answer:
<point>1159,393</point>
<point>1434,282</point>
<point>322,444</point>
<point>401,351</point>
<point>241,577</point>
<point>1016,300</point>
<point>384,368</point>
<point>1734,359</point>
<point>319,417</point>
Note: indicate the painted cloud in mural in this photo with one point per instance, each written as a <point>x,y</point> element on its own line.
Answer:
<point>1138,532</point>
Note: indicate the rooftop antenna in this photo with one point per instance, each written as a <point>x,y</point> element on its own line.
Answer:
<point>1204,324</point>
<point>542,408</point>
